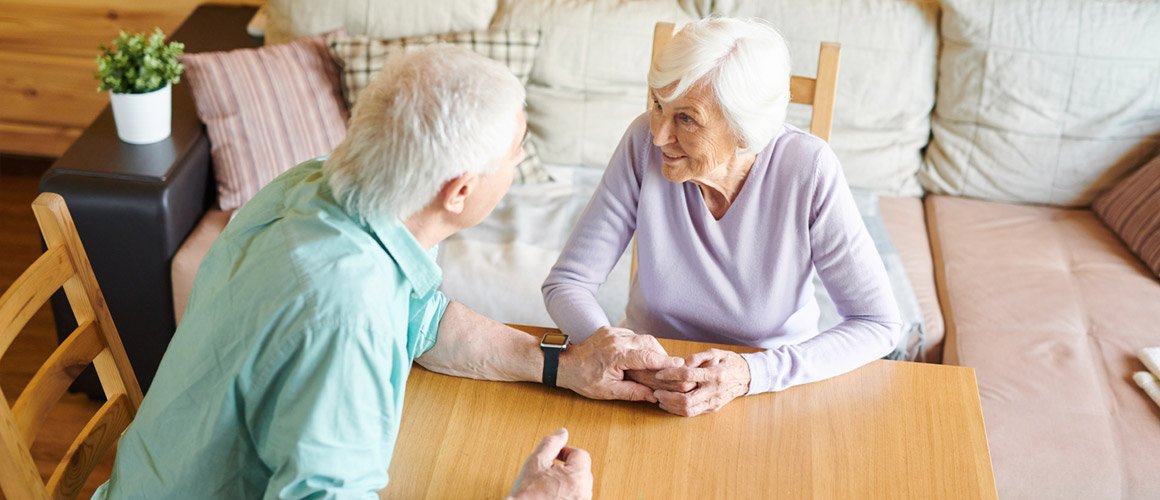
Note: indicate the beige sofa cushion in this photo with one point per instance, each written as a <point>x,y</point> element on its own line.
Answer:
<point>188,258</point>
<point>1049,308</point>
<point>290,19</point>
<point>1043,102</point>
<point>905,220</point>
<point>589,78</point>
<point>886,82</point>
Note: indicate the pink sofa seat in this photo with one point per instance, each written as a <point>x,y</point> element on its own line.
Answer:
<point>1049,308</point>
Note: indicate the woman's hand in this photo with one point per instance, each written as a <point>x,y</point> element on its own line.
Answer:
<point>649,378</point>
<point>721,376</point>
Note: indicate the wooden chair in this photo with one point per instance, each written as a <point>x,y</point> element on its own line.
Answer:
<point>819,93</point>
<point>95,341</point>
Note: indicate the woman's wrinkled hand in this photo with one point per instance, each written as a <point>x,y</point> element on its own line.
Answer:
<point>720,376</point>
<point>649,378</point>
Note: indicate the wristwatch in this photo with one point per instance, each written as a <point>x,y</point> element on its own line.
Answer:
<point>552,344</point>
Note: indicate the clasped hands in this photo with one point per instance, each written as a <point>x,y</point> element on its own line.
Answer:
<point>616,363</point>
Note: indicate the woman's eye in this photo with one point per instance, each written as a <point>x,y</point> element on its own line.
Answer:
<point>685,118</point>
<point>656,104</point>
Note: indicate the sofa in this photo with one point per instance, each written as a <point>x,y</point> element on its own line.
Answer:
<point>978,135</point>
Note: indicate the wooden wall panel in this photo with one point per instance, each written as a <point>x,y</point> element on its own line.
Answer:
<point>48,50</point>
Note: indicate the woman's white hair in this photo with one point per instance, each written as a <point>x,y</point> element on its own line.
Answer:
<point>427,117</point>
<point>744,62</point>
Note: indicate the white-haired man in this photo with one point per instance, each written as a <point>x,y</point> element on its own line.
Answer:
<point>286,376</point>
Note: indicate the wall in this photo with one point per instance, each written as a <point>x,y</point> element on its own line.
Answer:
<point>47,53</point>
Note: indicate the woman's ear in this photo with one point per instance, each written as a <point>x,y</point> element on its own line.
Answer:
<point>453,196</point>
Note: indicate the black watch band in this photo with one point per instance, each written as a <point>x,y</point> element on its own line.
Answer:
<point>552,344</point>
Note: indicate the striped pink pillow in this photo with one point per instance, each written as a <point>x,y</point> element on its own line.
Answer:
<point>1132,210</point>
<point>266,110</point>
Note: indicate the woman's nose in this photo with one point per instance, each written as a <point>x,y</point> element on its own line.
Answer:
<point>664,133</point>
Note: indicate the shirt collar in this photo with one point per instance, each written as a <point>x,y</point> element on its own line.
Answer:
<point>418,265</point>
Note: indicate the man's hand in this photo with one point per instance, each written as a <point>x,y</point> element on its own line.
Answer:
<point>721,376</point>
<point>543,477</point>
<point>596,367</point>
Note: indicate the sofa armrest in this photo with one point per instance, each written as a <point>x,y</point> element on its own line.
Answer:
<point>134,204</point>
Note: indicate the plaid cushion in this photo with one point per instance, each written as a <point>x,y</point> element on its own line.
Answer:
<point>362,57</point>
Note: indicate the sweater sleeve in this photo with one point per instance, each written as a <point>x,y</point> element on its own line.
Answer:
<point>851,269</point>
<point>598,240</point>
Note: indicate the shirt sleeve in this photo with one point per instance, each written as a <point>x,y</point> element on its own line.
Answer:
<point>433,315</point>
<point>602,233</point>
<point>325,424</point>
<point>852,271</point>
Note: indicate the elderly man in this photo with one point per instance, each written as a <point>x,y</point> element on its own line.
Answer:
<point>286,377</point>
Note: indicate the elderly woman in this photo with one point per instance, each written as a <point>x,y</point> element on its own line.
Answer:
<point>733,209</point>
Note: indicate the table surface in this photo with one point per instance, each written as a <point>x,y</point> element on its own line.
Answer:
<point>887,430</point>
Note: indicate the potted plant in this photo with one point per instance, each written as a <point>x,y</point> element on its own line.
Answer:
<point>137,71</point>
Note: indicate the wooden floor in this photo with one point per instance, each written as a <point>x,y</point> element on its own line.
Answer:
<point>19,247</point>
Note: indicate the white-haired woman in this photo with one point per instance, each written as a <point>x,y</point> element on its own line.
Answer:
<point>732,210</point>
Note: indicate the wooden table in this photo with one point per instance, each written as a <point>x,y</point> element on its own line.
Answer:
<point>887,430</point>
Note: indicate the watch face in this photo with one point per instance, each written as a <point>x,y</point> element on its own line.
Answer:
<point>554,340</point>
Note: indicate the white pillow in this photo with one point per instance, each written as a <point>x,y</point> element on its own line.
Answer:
<point>590,76</point>
<point>290,19</point>
<point>1044,102</point>
<point>886,81</point>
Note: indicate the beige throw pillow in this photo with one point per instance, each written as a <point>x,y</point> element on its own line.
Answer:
<point>1043,102</point>
<point>290,19</point>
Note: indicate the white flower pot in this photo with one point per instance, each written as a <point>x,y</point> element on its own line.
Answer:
<point>143,118</point>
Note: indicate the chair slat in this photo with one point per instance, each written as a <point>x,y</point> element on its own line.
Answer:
<point>19,477</point>
<point>30,291</point>
<point>90,446</point>
<point>801,89</point>
<point>54,377</point>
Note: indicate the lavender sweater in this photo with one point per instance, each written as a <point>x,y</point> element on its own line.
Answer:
<point>744,279</point>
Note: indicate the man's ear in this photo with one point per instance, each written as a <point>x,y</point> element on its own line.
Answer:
<point>453,196</point>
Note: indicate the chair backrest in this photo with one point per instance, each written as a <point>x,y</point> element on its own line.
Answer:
<point>95,341</point>
<point>819,92</point>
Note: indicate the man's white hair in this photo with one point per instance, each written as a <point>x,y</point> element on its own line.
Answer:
<point>746,65</point>
<point>427,117</point>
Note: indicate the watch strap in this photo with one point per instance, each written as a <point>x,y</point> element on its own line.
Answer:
<point>551,364</point>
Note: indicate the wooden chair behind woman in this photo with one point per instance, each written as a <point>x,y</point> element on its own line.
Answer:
<point>95,341</point>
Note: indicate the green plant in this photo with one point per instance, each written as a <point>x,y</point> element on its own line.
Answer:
<point>135,64</point>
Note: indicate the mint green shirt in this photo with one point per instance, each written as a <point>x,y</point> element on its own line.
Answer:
<point>285,379</point>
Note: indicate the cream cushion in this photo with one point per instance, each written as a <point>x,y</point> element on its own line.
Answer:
<point>1050,308</point>
<point>1044,102</point>
<point>589,79</point>
<point>290,19</point>
<point>886,80</point>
